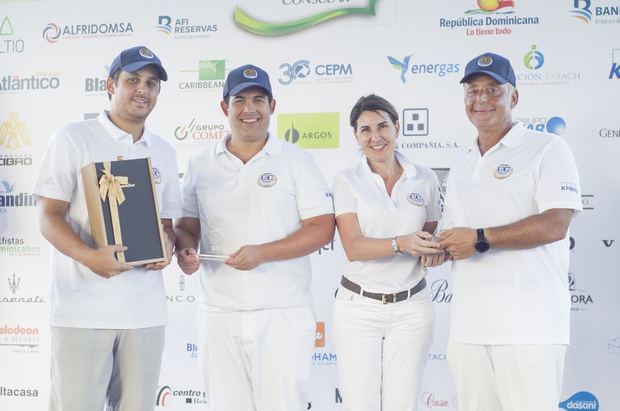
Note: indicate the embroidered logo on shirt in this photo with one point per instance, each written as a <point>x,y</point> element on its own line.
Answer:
<point>156,175</point>
<point>566,186</point>
<point>503,171</point>
<point>416,199</point>
<point>267,180</point>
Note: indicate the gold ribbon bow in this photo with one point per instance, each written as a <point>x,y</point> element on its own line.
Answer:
<point>111,186</point>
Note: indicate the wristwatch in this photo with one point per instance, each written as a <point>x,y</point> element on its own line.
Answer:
<point>395,246</point>
<point>482,244</point>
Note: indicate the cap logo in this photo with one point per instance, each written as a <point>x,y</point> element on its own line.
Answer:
<point>416,199</point>
<point>267,180</point>
<point>502,171</point>
<point>146,53</point>
<point>485,61</point>
<point>250,73</point>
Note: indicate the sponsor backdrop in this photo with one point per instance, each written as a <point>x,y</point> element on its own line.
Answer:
<point>322,55</point>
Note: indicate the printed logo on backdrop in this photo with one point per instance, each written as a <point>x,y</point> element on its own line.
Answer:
<point>192,350</point>
<point>533,61</point>
<point>321,356</point>
<point>18,392</point>
<point>434,401</point>
<point>605,12</point>
<point>15,83</point>
<point>489,18</point>
<point>52,33</point>
<point>437,356</point>
<point>18,247</point>
<point>327,248</point>
<point>210,75</point>
<point>194,132</point>
<point>96,85</point>
<point>13,292</point>
<point>583,400</point>
<point>614,72</point>
<point>183,296</point>
<point>10,198</point>
<point>441,292</point>
<point>587,202</point>
<point>180,28</point>
<point>296,15</point>
<point>310,130</point>
<point>554,125</point>
<point>415,123</point>
<point>613,345</point>
<point>8,43</point>
<point>303,72</point>
<point>167,395</point>
<point>337,396</point>
<point>608,243</point>
<point>580,298</point>
<point>442,177</point>
<point>14,133</point>
<point>19,339</point>
<point>408,68</point>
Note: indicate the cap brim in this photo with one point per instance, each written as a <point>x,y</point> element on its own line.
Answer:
<point>496,76</point>
<point>133,67</point>
<point>240,87</point>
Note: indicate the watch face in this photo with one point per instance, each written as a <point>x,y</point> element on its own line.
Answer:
<point>482,246</point>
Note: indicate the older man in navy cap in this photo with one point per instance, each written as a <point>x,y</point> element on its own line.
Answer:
<point>510,200</point>
<point>256,206</point>
<point>108,317</point>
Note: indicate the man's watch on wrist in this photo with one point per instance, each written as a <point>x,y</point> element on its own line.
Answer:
<point>482,244</point>
<point>395,246</point>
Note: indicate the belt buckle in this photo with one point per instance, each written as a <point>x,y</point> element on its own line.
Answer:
<point>384,298</point>
<point>394,297</point>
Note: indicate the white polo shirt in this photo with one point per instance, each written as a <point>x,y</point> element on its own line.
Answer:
<point>79,297</point>
<point>510,296</point>
<point>416,199</point>
<point>254,203</point>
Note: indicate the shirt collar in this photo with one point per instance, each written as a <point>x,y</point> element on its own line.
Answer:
<point>117,133</point>
<point>513,138</point>
<point>273,146</point>
<point>405,163</point>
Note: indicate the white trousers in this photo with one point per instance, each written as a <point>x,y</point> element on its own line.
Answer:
<point>257,360</point>
<point>381,350</point>
<point>507,377</point>
<point>93,368</point>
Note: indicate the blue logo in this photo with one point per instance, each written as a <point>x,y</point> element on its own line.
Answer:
<point>267,180</point>
<point>533,59</point>
<point>415,122</point>
<point>554,125</point>
<point>615,64</point>
<point>416,199</point>
<point>163,24</point>
<point>302,69</point>
<point>503,171</point>
<point>580,12</point>
<point>438,69</point>
<point>566,186</point>
<point>156,175</point>
<point>582,400</point>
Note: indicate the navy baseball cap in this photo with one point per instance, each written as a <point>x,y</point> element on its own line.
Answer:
<point>244,77</point>
<point>133,59</point>
<point>492,65</point>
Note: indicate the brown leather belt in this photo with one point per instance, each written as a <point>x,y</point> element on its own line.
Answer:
<point>384,298</point>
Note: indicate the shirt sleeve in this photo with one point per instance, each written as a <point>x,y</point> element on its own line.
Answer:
<point>434,207</point>
<point>344,200</point>
<point>58,175</point>
<point>558,179</point>
<point>171,196</point>
<point>312,192</point>
<point>189,199</point>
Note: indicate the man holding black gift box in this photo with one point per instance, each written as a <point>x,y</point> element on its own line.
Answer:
<point>108,318</point>
<point>257,206</point>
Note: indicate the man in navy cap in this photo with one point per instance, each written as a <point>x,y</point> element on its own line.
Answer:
<point>511,197</point>
<point>256,206</point>
<point>107,325</point>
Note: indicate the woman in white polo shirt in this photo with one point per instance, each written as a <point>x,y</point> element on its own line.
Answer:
<point>386,209</point>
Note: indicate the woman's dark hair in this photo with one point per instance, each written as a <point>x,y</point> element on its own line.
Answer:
<point>371,102</point>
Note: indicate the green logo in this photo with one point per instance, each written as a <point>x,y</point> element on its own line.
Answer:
<point>310,130</point>
<point>6,28</point>
<point>211,70</point>
<point>265,28</point>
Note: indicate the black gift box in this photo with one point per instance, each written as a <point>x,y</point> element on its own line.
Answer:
<point>138,215</point>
